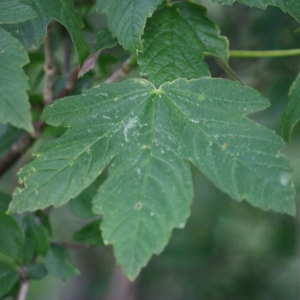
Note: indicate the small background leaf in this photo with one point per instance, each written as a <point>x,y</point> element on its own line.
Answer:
<point>127,19</point>
<point>58,263</point>
<point>44,219</point>
<point>37,232</point>
<point>105,40</point>
<point>37,271</point>
<point>14,106</point>
<point>89,234</point>
<point>81,206</point>
<point>7,280</point>
<point>4,201</point>
<point>168,37</point>
<point>291,114</point>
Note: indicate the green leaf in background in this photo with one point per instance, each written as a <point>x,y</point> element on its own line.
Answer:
<point>14,105</point>
<point>36,272</point>
<point>167,41</point>
<point>291,114</point>
<point>8,279</point>
<point>290,6</point>
<point>89,234</point>
<point>58,264</point>
<point>153,135</point>
<point>38,233</point>
<point>105,40</point>
<point>36,229</point>
<point>32,32</point>
<point>9,275</point>
<point>28,250</point>
<point>127,19</point>
<point>44,219</point>
<point>4,201</point>
<point>81,205</point>
<point>12,11</point>
<point>11,240</point>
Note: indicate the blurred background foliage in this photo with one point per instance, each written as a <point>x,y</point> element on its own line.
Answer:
<point>227,250</point>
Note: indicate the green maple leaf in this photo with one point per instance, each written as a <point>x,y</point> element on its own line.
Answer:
<point>127,19</point>
<point>150,136</point>
<point>291,114</point>
<point>291,6</point>
<point>167,41</point>
<point>33,32</point>
<point>14,106</point>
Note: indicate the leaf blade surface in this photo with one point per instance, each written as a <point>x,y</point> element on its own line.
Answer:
<point>14,105</point>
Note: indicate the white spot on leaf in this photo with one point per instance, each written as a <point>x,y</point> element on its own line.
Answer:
<point>284,179</point>
<point>129,125</point>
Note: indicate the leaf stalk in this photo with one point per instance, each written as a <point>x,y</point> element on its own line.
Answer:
<point>267,53</point>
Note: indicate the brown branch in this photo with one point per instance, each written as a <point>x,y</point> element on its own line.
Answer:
<point>23,290</point>
<point>75,246</point>
<point>70,84</point>
<point>19,148</point>
<point>67,44</point>
<point>49,67</point>
<point>24,285</point>
<point>122,71</point>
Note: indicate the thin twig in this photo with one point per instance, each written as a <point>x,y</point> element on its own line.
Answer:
<point>67,52</point>
<point>49,67</point>
<point>24,285</point>
<point>70,83</point>
<point>19,148</point>
<point>75,246</point>
<point>23,290</point>
<point>123,70</point>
